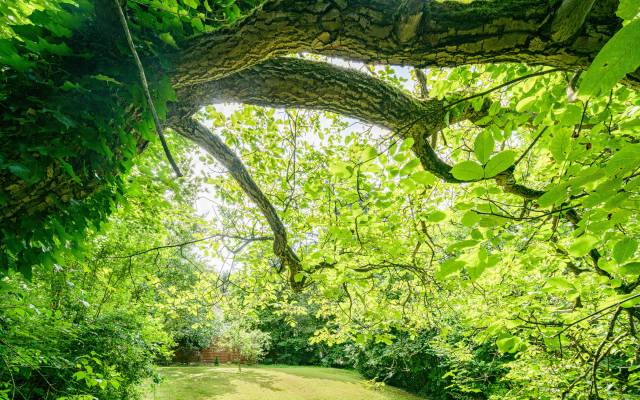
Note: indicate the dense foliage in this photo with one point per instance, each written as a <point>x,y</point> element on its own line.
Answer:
<point>94,325</point>
<point>291,339</point>
<point>419,365</point>
<point>494,258</point>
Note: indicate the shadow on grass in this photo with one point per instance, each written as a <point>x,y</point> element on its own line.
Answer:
<point>206,383</point>
<point>263,380</point>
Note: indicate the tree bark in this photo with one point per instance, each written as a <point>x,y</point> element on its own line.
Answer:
<point>413,32</point>
<point>288,82</point>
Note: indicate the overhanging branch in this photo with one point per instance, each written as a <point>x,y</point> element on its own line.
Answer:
<point>290,82</point>
<point>214,145</point>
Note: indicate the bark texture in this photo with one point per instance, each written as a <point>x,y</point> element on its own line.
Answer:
<point>412,32</point>
<point>288,82</point>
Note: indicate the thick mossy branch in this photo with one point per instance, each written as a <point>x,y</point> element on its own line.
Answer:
<point>426,33</point>
<point>289,82</point>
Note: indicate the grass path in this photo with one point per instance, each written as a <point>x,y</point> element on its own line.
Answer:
<point>267,383</point>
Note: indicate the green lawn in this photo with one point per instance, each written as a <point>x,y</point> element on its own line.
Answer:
<point>267,383</point>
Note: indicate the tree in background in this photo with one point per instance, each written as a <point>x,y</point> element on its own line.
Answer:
<point>248,345</point>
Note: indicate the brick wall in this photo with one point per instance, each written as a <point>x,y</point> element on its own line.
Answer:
<point>207,355</point>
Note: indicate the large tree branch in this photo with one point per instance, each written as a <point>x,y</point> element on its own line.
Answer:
<point>412,32</point>
<point>214,145</point>
<point>288,82</point>
<point>291,82</point>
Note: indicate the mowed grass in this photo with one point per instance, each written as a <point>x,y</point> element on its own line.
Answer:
<point>267,383</point>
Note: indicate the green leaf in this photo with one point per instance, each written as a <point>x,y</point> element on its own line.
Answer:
<point>619,56</point>
<point>499,163</point>
<point>105,78</point>
<point>559,282</point>
<point>9,56</point>
<point>470,218</point>
<point>560,145</point>
<point>582,245</point>
<point>632,268</point>
<point>410,166</point>
<point>191,3</point>
<point>483,146</point>
<point>631,303</point>
<point>628,9</point>
<point>571,115</point>
<point>509,344</point>
<point>461,244</point>
<point>525,103</point>
<point>21,171</point>
<point>424,178</point>
<point>407,144</point>
<point>624,249</point>
<point>467,171</point>
<point>436,216</point>
<point>552,196</point>
<point>627,158</point>
<point>168,39</point>
<point>449,267</point>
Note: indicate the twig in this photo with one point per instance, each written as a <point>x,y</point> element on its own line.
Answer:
<point>531,146</point>
<point>145,87</point>
<point>616,304</point>
<point>511,82</point>
<point>218,235</point>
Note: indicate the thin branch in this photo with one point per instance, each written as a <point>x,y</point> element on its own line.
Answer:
<point>216,147</point>
<point>533,143</point>
<point>145,87</point>
<point>216,236</point>
<point>616,304</point>
<point>509,83</point>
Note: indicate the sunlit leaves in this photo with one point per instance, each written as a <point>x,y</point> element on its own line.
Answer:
<point>449,267</point>
<point>468,171</point>
<point>582,245</point>
<point>625,159</point>
<point>628,9</point>
<point>483,146</point>
<point>630,269</point>
<point>424,178</point>
<point>470,218</point>
<point>553,195</point>
<point>560,145</point>
<point>499,163</point>
<point>525,103</point>
<point>510,344</point>
<point>168,39</point>
<point>560,282</point>
<point>624,249</point>
<point>617,58</point>
<point>436,216</point>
